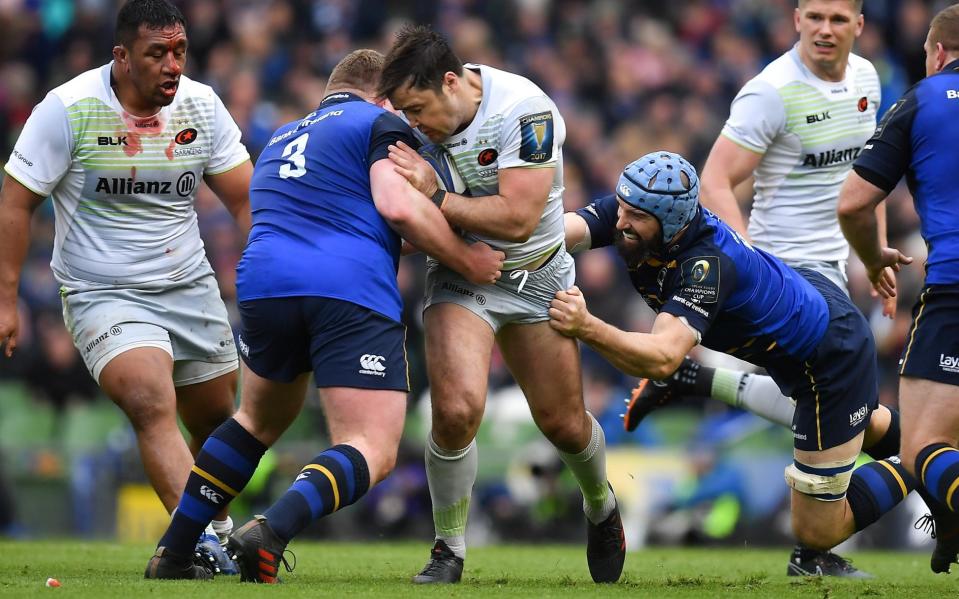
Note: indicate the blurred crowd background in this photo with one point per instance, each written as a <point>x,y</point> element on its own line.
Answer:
<point>628,76</point>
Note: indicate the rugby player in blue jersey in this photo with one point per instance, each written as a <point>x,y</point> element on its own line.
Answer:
<point>916,138</point>
<point>318,297</point>
<point>709,286</point>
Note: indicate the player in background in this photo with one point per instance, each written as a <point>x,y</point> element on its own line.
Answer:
<point>121,150</point>
<point>916,139</point>
<point>709,286</point>
<point>318,296</point>
<point>505,137</point>
<point>796,128</point>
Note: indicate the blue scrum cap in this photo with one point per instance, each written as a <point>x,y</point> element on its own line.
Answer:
<point>654,184</point>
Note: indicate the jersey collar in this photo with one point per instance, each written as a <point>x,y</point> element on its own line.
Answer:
<point>339,98</point>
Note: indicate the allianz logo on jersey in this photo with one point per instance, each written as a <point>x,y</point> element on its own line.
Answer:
<point>126,186</point>
<point>830,157</point>
<point>372,364</point>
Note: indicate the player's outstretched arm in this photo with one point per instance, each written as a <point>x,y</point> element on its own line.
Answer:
<point>233,189</point>
<point>654,355</point>
<point>418,220</point>
<point>17,204</point>
<point>727,166</point>
<point>577,233</point>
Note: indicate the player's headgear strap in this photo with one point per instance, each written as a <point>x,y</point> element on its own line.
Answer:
<point>654,184</point>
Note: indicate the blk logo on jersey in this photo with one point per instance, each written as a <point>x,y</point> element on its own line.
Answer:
<point>863,104</point>
<point>185,137</point>
<point>536,133</point>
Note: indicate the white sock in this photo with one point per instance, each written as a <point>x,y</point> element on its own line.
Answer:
<point>222,529</point>
<point>589,469</point>
<point>451,474</point>
<point>760,395</point>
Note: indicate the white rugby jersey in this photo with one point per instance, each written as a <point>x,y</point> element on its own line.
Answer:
<point>123,187</point>
<point>516,125</point>
<point>810,132</point>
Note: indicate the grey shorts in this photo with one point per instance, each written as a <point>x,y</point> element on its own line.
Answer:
<point>188,321</point>
<point>835,270</point>
<point>519,297</point>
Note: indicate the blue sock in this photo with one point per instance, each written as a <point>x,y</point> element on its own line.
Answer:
<point>889,444</point>
<point>937,467</point>
<point>224,466</point>
<point>334,479</point>
<point>877,487</point>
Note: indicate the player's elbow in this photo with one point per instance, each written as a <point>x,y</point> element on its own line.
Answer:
<point>519,230</point>
<point>664,365</point>
<point>395,211</point>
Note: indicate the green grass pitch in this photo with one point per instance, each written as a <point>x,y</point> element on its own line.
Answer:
<point>108,570</point>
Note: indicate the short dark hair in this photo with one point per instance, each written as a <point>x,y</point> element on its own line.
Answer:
<point>155,14</point>
<point>421,56</point>
<point>857,4</point>
<point>944,28</point>
<point>360,69</point>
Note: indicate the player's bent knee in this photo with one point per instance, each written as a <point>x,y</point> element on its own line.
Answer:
<point>827,481</point>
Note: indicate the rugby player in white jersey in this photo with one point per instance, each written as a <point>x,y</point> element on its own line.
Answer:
<point>504,136</point>
<point>796,128</point>
<point>121,150</point>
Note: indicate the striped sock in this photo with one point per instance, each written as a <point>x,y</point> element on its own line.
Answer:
<point>877,487</point>
<point>334,479</point>
<point>225,464</point>
<point>589,469</point>
<point>937,466</point>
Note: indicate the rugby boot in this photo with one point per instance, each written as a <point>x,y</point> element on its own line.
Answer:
<point>810,562</point>
<point>943,526</point>
<point>443,568</point>
<point>606,547</point>
<point>651,395</point>
<point>165,565</point>
<point>210,550</point>
<point>258,552</point>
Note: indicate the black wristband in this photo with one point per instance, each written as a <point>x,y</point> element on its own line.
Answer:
<point>439,197</point>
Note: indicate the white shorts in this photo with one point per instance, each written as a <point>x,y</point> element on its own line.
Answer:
<point>188,321</point>
<point>835,271</point>
<point>518,297</point>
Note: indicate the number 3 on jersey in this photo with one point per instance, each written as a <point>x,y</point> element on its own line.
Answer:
<point>293,152</point>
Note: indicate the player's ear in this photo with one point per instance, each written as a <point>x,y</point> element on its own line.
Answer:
<point>451,80</point>
<point>120,54</point>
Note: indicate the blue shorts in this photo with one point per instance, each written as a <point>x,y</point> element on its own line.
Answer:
<point>344,344</point>
<point>838,387</point>
<point>932,345</point>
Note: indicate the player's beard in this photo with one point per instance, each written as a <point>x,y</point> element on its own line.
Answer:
<point>634,251</point>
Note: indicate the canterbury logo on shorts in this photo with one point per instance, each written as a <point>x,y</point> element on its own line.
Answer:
<point>372,364</point>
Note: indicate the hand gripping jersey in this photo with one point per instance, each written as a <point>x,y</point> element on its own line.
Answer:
<point>809,132</point>
<point>516,125</point>
<point>741,300</point>
<point>123,187</point>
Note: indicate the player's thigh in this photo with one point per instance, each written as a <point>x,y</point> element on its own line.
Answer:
<point>267,408</point>
<point>458,348</point>
<point>930,414</point>
<point>139,381</point>
<point>929,372</point>
<point>370,420</point>
<point>206,405</point>
<point>546,365</point>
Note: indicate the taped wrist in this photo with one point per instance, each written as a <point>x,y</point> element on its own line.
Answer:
<point>439,197</point>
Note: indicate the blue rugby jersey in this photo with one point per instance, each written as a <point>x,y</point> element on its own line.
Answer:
<point>316,230</point>
<point>917,138</point>
<point>743,301</point>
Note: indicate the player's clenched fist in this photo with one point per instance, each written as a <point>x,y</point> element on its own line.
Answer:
<point>567,312</point>
<point>486,264</point>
